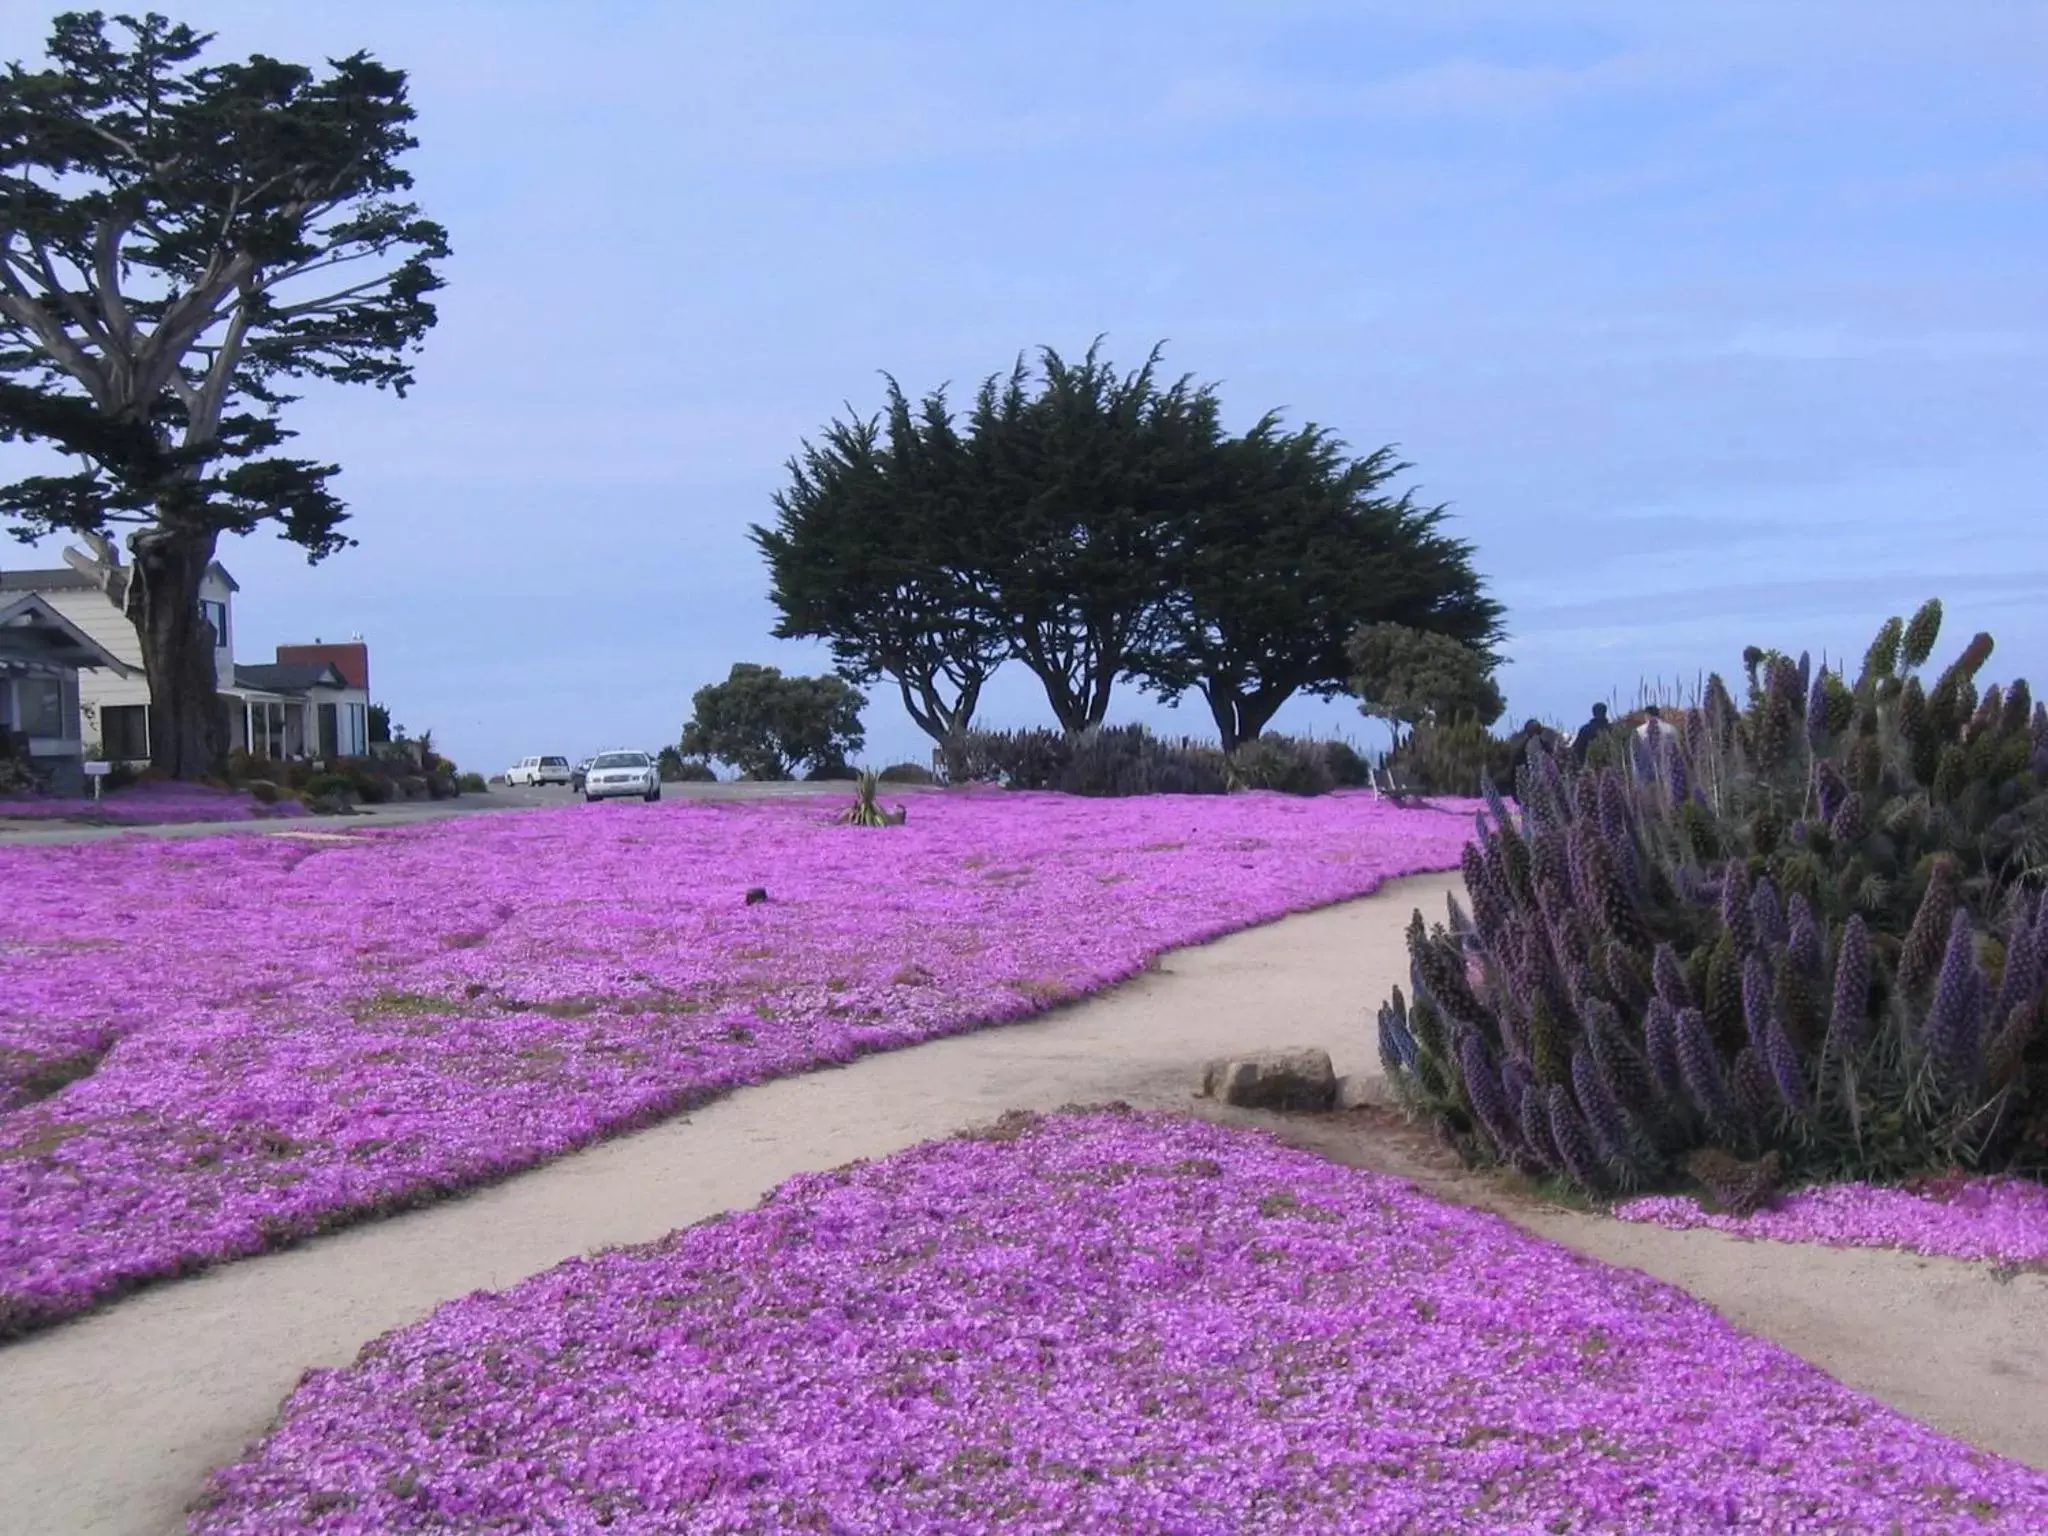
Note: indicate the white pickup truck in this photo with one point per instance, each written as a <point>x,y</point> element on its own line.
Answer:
<point>539,770</point>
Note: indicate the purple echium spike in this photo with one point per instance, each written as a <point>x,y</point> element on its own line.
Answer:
<point>1766,914</point>
<point>1788,1073</point>
<point>1660,1044</point>
<point>1953,1028</point>
<point>1756,998</point>
<point>1698,1064</point>
<point>1669,976</point>
<point>1848,1017</point>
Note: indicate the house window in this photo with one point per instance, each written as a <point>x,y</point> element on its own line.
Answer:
<point>216,614</point>
<point>355,740</point>
<point>39,702</point>
<point>266,729</point>
<point>124,732</point>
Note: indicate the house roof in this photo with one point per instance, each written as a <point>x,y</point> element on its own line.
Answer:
<point>67,579</point>
<point>46,581</point>
<point>60,640</point>
<point>289,676</point>
<point>351,658</point>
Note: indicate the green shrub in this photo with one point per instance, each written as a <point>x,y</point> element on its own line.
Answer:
<point>907,773</point>
<point>1347,765</point>
<point>371,788</point>
<point>1028,759</point>
<point>330,784</point>
<point>262,791</point>
<point>1451,759</point>
<point>1119,760</point>
<point>472,784</point>
<point>832,773</point>
<point>867,810</point>
<point>1284,763</point>
<point>690,771</point>
<point>1807,939</point>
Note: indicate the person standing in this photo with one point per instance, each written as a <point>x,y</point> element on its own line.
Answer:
<point>1655,731</point>
<point>1589,733</point>
<point>1532,732</point>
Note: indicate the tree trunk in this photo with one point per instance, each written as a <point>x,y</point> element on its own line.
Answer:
<point>928,709</point>
<point>186,724</point>
<point>1240,717</point>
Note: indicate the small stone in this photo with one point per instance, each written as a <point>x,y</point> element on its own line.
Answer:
<point>1289,1079</point>
<point>1357,1090</point>
<point>757,894</point>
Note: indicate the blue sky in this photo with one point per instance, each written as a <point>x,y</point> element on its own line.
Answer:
<point>1714,323</point>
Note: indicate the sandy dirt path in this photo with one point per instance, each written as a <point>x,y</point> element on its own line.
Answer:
<point>108,1424</point>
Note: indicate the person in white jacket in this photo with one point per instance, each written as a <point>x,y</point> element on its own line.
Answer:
<point>1655,730</point>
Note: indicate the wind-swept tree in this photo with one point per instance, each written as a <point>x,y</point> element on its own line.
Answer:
<point>1096,527</point>
<point>175,240</point>
<point>1083,486</point>
<point>1294,548</point>
<point>873,551</point>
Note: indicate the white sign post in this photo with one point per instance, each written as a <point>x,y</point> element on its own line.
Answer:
<point>97,772</point>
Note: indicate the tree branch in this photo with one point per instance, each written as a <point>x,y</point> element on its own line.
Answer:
<point>332,300</point>
<point>286,274</point>
<point>80,316</point>
<point>107,265</point>
<point>204,425</point>
<point>18,303</point>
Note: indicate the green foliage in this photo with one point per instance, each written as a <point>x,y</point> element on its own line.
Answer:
<point>668,765</point>
<point>1096,526</point>
<point>866,810</point>
<point>1104,760</point>
<point>1284,763</point>
<point>767,725</point>
<point>1411,676</point>
<point>472,784</point>
<point>1798,941</point>
<point>1453,759</point>
<point>1347,765</point>
<point>693,771</point>
<point>329,786</point>
<point>908,773</point>
<point>379,730</point>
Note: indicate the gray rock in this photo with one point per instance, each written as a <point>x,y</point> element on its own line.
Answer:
<point>1291,1079</point>
<point>1357,1091</point>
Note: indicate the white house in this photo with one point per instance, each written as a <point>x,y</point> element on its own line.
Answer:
<point>42,655</point>
<point>310,702</point>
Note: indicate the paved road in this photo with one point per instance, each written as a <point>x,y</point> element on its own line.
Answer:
<point>501,798</point>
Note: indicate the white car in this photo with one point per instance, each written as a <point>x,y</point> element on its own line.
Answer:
<point>539,770</point>
<point>612,774</point>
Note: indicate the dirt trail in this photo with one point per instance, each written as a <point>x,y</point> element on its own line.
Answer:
<point>108,1425</point>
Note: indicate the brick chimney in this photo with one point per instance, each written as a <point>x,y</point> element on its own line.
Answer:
<point>350,658</point>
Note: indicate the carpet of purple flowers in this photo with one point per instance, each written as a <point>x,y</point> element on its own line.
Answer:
<point>1098,1322</point>
<point>2004,1220</point>
<point>214,1046</point>
<point>148,805</point>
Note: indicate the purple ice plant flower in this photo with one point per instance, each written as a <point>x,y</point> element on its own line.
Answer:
<point>254,1038</point>
<point>1109,1325</point>
<point>2000,1219</point>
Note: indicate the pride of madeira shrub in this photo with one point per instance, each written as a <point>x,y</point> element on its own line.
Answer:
<point>1801,938</point>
